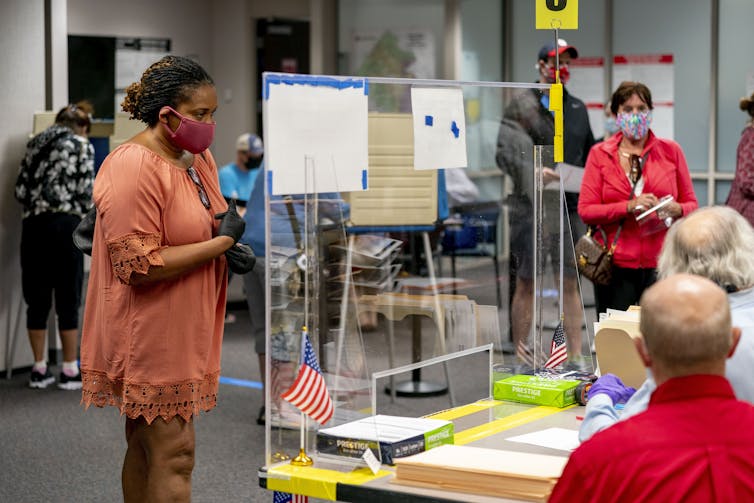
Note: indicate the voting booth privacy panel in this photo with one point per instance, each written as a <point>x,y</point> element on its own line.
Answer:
<point>354,199</point>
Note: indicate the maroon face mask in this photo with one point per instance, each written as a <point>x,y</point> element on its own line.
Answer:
<point>191,135</point>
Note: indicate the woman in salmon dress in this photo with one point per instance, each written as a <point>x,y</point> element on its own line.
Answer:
<point>155,303</point>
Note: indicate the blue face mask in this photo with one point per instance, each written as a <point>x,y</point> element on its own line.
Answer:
<point>611,126</point>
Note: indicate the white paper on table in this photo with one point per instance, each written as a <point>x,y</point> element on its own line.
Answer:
<point>439,128</point>
<point>322,120</point>
<point>561,439</point>
<point>571,176</point>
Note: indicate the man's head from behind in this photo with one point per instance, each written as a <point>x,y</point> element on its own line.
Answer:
<point>714,242</point>
<point>249,151</point>
<point>686,327</point>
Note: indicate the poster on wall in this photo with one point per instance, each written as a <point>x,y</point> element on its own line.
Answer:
<point>588,84</point>
<point>316,133</point>
<point>656,72</point>
<point>393,53</point>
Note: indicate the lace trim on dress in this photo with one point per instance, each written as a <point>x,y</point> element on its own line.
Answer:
<point>150,401</point>
<point>134,253</point>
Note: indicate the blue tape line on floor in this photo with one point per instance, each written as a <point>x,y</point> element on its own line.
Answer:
<point>240,382</point>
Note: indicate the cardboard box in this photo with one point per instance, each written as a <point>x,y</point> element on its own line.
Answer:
<point>389,437</point>
<point>536,390</point>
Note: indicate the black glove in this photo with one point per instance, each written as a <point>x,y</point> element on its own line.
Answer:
<point>231,223</point>
<point>240,258</point>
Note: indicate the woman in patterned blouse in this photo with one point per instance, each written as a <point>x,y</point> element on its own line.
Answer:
<point>55,188</point>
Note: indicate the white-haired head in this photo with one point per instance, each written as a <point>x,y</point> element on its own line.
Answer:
<point>714,242</point>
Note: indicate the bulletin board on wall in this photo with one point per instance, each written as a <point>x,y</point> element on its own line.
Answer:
<point>100,68</point>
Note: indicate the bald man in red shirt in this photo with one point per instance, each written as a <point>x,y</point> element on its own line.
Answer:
<point>695,441</point>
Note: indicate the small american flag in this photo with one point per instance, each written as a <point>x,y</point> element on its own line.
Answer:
<point>558,352</point>
<point>279,497</point>
<point>309,392</point>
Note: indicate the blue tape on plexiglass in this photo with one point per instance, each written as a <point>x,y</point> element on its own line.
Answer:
<point>269,183</point>
<point>364,179</point>
<point>312,80</point>
<point>428,120</point>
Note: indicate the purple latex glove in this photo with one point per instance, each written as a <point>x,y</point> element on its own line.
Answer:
<point>612,386</point>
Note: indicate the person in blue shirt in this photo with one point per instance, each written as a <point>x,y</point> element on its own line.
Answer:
<point>237,178</point>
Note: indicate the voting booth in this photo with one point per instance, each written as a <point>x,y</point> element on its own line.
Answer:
<point>354,198</point>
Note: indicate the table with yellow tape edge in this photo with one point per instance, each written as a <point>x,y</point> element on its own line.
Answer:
<point>486,423</point>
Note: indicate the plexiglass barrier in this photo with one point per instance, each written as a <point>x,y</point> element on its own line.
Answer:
<point>404,224</point>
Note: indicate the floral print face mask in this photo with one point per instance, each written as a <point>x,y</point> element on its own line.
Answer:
<point>636,125</point>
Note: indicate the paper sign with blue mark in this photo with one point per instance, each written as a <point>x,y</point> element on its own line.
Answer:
<point>320,122</point>
<point>439,128</point>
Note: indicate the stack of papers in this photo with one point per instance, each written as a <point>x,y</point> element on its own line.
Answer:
<point>373,263</point>
<point>505,474</point>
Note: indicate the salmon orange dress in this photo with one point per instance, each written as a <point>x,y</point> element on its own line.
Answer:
<point>152,350</point>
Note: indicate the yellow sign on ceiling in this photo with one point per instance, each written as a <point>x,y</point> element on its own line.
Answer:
<point>560,14</point>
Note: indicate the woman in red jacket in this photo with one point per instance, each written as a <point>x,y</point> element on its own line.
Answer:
<point>624,176</point>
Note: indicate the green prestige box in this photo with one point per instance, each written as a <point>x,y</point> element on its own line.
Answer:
<point>536,390</point>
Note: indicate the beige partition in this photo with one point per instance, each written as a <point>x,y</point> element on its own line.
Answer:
<point>124,129</point>
<point>43,120</point>
<point>397,194</point>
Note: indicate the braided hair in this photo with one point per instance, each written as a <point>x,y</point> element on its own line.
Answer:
<point>170,81</point>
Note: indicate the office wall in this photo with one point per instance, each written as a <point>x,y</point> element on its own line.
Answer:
<point>284,9</point>
<point>735,63</point>
<point>641,27</point>
<point>232,59</point>
<point>22,49</point>
<point>219,34</point>
<point>380,15</point>
<point>526,40</point>
<point>189,24</point>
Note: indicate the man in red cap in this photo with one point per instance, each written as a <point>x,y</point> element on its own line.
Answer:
<point>527,117</point>
<point>546,61</point>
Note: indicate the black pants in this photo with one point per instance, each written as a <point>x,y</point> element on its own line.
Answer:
<point>625,289</point>
<point>51,262</point>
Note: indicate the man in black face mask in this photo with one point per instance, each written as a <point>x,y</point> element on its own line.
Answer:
<point>237,178</point>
